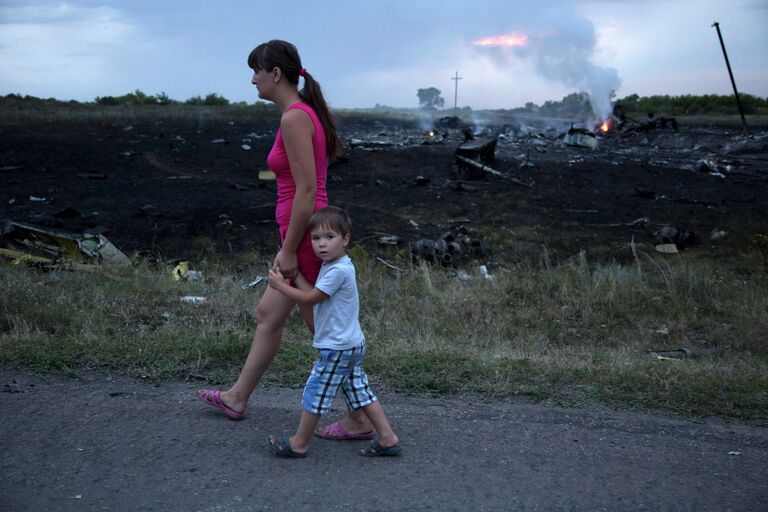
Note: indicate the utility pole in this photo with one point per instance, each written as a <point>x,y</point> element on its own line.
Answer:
<point>733,82</point>
<point>456,92</point>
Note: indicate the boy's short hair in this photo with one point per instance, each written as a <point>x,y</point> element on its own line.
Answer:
<point>331,217</point>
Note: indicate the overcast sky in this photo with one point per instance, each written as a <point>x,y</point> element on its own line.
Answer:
<point>507,52</point>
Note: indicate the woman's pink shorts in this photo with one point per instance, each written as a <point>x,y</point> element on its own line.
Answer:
<point>309,263</point>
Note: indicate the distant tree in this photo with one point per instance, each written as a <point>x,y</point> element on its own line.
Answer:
<point>106,100</point>
<point>576,104</point>
<point>531,107</point>
<point>163,99</point>
<point>195,100</point>
<point>215,99</point>
<point>430,98</point>
<point>631,99</point>
<point>137,97</point>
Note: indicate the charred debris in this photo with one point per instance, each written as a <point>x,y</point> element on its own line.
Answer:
<point>483,152</point>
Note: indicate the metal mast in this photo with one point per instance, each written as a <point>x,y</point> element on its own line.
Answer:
<point>733,82</point>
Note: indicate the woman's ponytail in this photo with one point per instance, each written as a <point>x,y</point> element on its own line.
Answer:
<point>312,95</point>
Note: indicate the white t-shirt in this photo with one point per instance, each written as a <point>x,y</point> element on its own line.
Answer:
<point>336,318</point>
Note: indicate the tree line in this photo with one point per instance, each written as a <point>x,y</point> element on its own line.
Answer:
<point>138,97</point>
<point>578,104</point>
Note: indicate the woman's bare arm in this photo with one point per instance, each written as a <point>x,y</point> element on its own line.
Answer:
<point>297,130</point>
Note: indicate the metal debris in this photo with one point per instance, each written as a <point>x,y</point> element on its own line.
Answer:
<point>193,299</point>
<point>389,240</point>
<point>252,283</point>
<point>466,162</point>
<point>685,353</point>
<point>482,148</point>
<point>34,244</point>
<point>581,137</point>
<point>449,249</point>
<point>681,238</point>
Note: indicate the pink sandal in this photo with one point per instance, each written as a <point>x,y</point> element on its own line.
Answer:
<point>337,432</point>
<point>212,397</point>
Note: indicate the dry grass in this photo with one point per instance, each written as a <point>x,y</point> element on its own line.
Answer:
<point>571,334</point>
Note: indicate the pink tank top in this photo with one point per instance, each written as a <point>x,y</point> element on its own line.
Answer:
<point>277,160</point>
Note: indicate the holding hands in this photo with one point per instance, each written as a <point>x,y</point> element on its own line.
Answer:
<point>286,263</point>
<point>276,278</point>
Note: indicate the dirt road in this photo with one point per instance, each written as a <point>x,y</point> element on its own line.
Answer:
<point>112,443</point>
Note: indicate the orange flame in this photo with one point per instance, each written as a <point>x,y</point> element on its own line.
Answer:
<point>513,39</point>
<point>604,126</point>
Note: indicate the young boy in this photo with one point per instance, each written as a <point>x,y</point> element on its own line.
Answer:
<point>338,338</point>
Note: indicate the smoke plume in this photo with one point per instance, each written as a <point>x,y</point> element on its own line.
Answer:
<point>563,53</point>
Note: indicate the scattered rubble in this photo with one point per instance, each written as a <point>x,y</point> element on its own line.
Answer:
<point>449,249</point>
<point>483,149</point>
<point>253,282</point>
<point>26,243</point>
<point>681,238</point>
<point>193,299</point>
<point>581,137</point>
<point>685,353</point>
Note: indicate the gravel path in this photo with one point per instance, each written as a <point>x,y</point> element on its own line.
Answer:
<point>112,443</point>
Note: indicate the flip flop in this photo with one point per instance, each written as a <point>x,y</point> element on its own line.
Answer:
<point>376,450</point>
<point>336,431</point>
<point>212,397</point>
<point>282,448</point>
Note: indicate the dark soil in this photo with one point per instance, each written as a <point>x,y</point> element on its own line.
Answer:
<point>162,187</point>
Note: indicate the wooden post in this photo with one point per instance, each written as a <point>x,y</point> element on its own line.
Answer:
<point>456,92</point>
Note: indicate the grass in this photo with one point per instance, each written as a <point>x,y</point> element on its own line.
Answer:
<point>573,334</point>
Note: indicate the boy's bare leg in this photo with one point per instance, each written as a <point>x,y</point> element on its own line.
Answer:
<point>300,440</point>
<point>375,413</point>
<point>271,314</point>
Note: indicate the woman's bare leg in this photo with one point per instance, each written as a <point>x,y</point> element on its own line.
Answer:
<point>356,422</point>
<point>271,314</point>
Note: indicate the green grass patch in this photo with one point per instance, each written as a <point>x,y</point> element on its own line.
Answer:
<point>573,334</point>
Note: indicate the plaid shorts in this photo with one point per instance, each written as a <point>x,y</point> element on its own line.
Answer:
<point>334,369</point>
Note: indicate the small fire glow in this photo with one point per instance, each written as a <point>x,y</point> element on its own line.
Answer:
<point>605,126</point>
<point>431,133</point>
<point>509,40</point>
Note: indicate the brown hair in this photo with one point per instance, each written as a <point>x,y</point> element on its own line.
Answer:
<point>284,55</point>
<point>331,217</point>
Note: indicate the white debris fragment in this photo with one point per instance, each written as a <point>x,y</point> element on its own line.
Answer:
<point>193,299</point>
<point>252,283</point>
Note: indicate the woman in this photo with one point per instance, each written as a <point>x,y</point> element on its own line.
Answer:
<point>305,142</point>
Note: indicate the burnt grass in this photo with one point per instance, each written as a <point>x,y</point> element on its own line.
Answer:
<point>162,188</point>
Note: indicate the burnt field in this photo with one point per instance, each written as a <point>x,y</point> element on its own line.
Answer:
<point>187,186</point>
